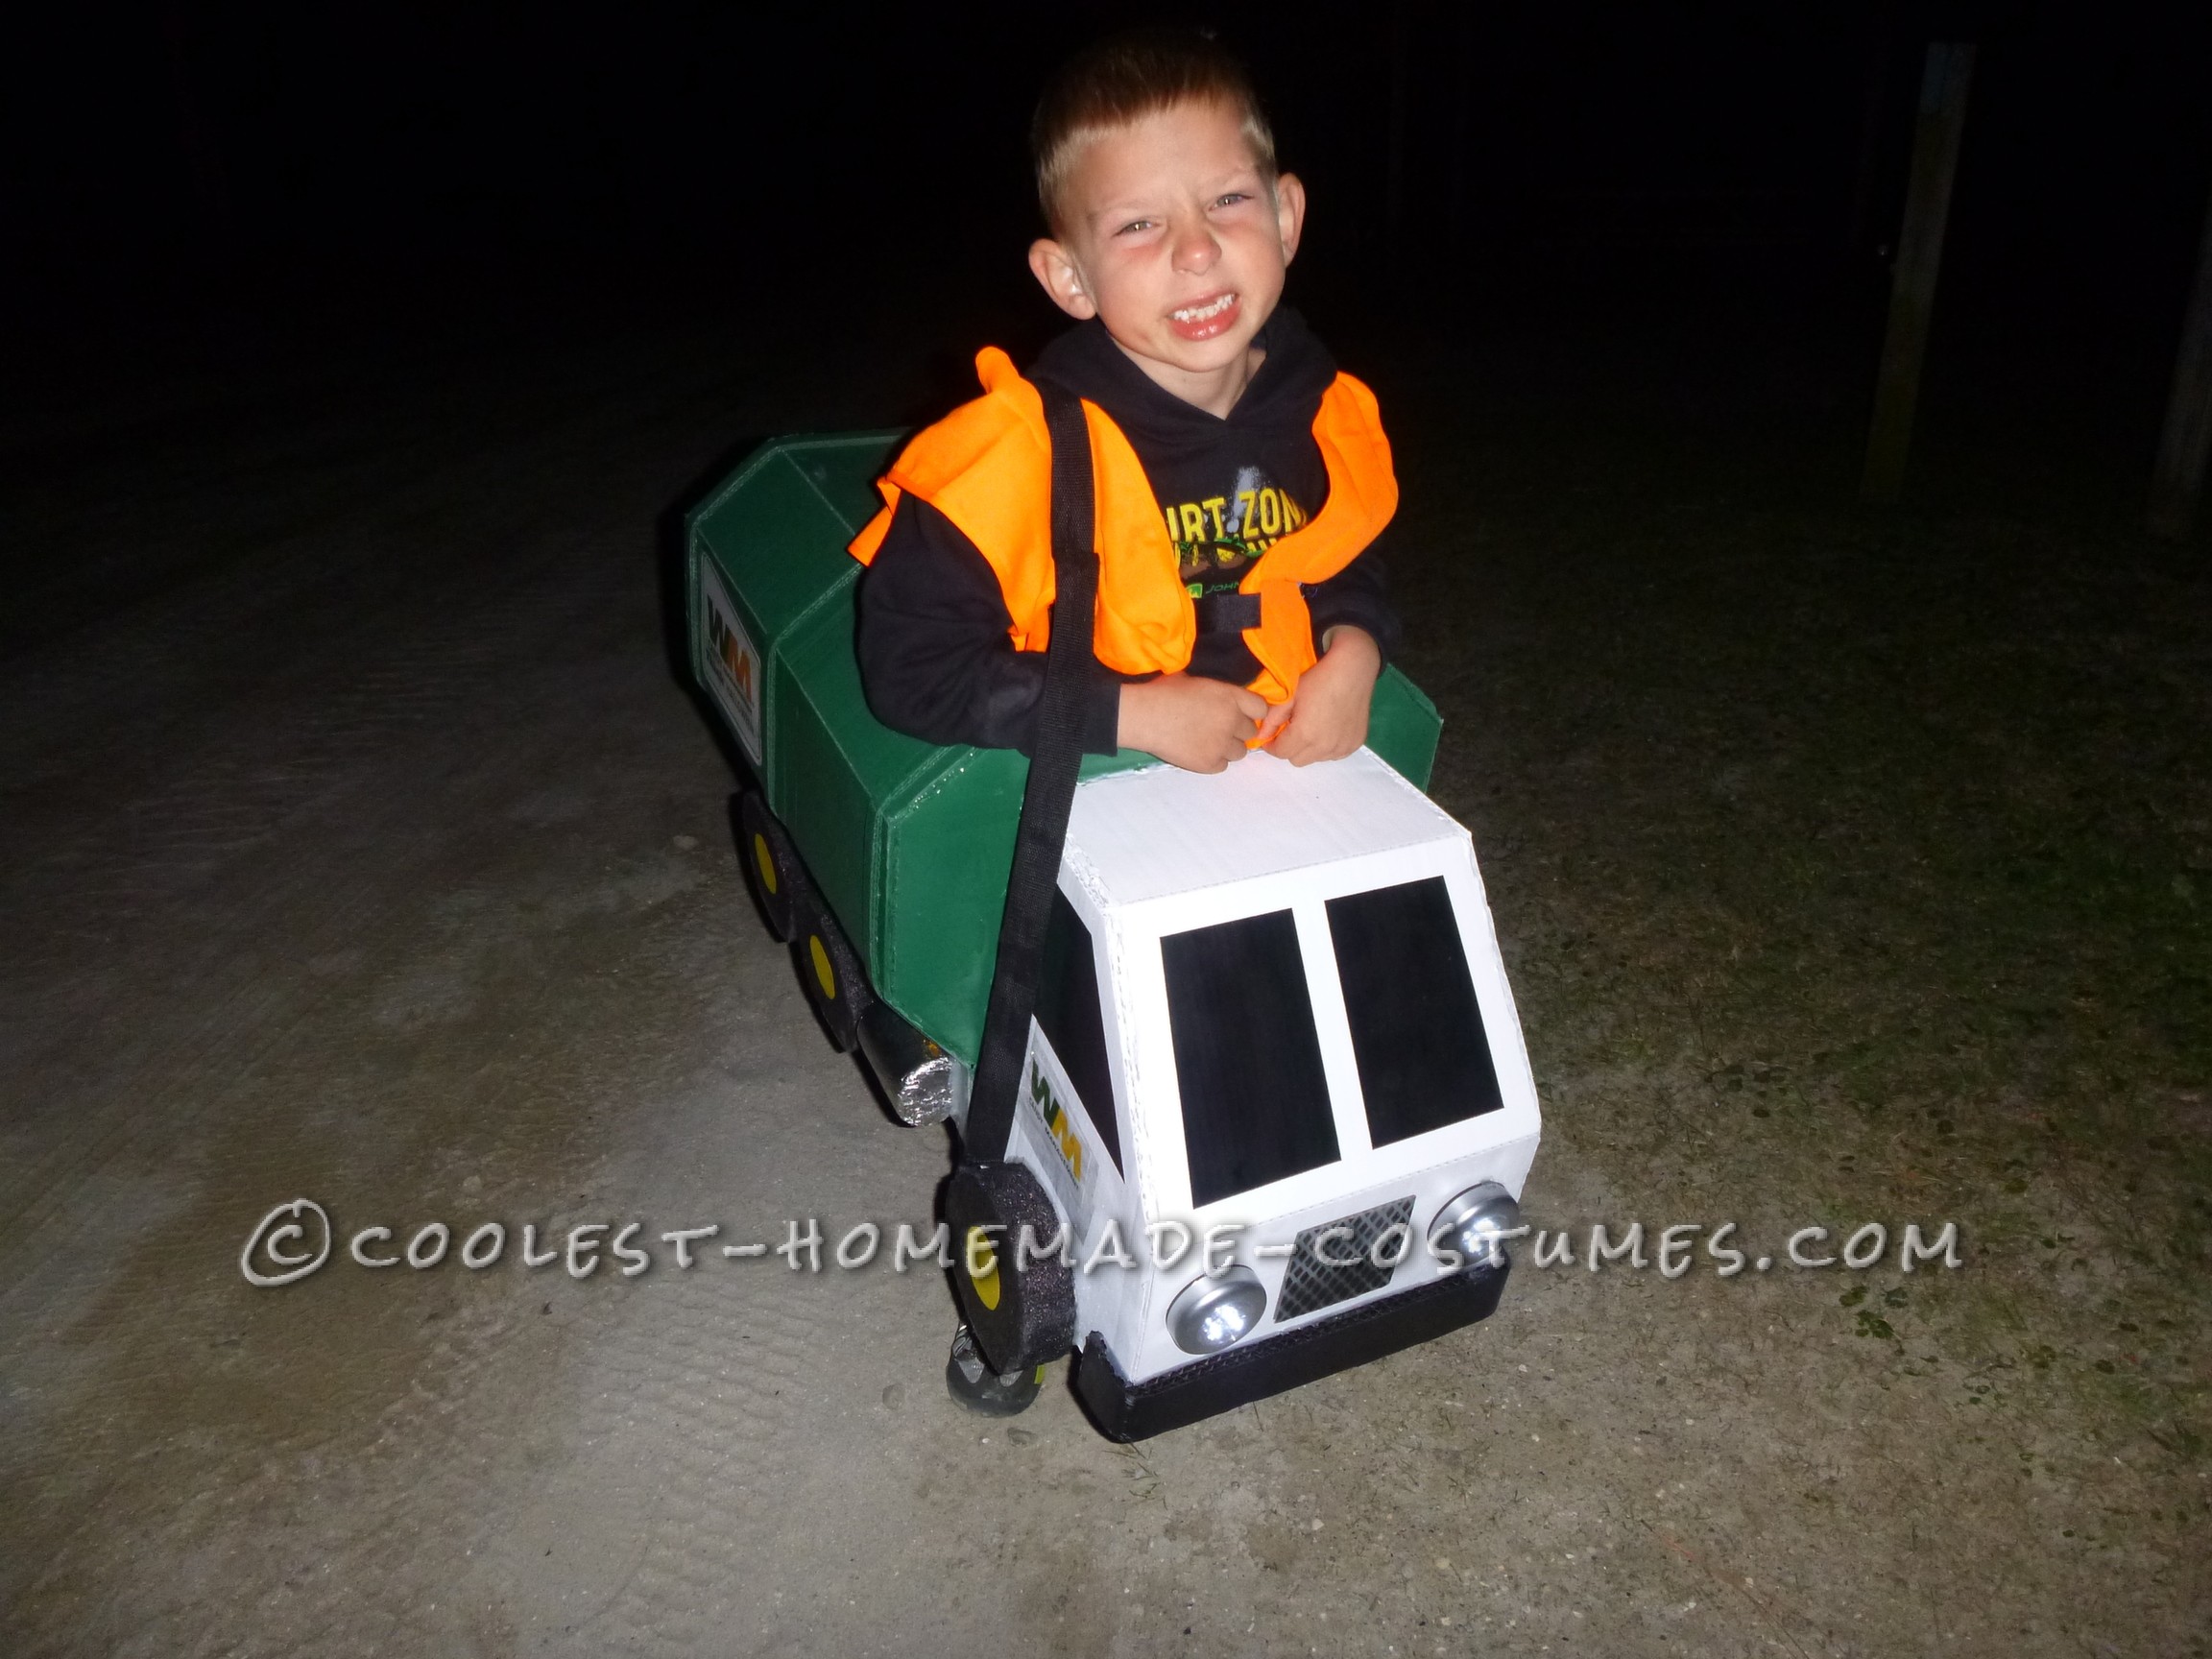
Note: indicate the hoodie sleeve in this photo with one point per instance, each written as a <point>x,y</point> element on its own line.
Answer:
<point>937,659</point>
<point>1358,596</point>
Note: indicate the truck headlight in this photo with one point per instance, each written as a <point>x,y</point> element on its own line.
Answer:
<point>1212,1313</point>
<point>1475,1222</point>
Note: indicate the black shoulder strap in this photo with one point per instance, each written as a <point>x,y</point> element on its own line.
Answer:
<point>1054,760</point>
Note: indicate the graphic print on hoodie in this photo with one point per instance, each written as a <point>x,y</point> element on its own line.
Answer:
<point>1217,538</point>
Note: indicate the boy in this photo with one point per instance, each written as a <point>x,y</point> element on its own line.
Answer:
<point>1240,478</point>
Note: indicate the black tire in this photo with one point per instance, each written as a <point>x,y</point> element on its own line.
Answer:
<point>1022,1315</point>
<point>830,969</point>
<point>970,1379</point>
<point>771,864</point>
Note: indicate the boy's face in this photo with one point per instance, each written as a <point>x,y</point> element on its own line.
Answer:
<point>1174,240</point>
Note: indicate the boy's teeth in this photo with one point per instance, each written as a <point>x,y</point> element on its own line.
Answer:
<point>1199,313</point>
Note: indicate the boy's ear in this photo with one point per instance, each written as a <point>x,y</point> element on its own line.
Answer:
<point>1289,212</point>
<point>1057,272</point>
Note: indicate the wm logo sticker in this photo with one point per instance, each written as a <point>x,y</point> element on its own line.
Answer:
<point>1057,1123</point>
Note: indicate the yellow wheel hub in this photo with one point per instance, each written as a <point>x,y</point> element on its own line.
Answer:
<point>983,1255</point>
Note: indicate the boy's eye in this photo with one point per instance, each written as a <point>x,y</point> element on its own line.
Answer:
<point>1232,199</point>
<point>1134,224</point>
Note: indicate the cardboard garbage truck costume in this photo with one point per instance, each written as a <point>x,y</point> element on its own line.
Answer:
<point>1269,1112</point>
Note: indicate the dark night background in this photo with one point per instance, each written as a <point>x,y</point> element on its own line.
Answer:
<point>1850,864</point>
<point>1583,190</point>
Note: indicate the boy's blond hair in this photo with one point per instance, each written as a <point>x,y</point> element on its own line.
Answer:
<point>1121,80</point>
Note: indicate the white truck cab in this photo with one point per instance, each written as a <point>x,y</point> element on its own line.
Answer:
<point>1274,1023</point>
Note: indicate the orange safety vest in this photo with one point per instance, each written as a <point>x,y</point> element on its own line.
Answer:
<point>987,466</point>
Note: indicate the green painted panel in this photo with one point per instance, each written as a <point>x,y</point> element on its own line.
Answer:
<point>1402,727</point>
<point>844,467</point>
<point>837,768</point>
<point>776,540</point>
<point>776,533</point>
<point>947,852</point>
<point>945,855</point>
<point>780,527</point>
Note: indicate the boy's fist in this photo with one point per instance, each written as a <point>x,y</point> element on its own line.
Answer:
<point>1189,721</point>
<point>1325,717</point>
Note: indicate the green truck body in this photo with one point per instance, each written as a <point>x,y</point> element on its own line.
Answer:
<point>909,844</point>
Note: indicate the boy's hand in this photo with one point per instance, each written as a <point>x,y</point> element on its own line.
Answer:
<point>1325,717</point>
<point>1189,721</point>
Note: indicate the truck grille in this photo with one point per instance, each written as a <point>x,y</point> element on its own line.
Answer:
<point>1311,1283</point>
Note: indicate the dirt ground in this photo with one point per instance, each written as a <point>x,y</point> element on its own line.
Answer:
<point>359,845</point>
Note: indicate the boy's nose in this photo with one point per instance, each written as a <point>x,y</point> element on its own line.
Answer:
<point>1195,249</point>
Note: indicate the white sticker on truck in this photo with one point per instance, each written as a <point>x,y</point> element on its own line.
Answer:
<point>1065,1150</point>
<point>733,667</point>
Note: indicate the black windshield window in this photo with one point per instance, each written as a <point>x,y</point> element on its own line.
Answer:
<point>1067,1009</point>
<point>1416,1031</point>
<point>1255,1102</point>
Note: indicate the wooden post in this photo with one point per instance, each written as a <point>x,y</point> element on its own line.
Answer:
<point>2188,434</point>
<point>1942,118</point>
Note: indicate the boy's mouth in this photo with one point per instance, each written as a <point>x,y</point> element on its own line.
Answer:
<point>1206,319</point>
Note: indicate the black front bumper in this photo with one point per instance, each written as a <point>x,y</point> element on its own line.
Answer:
<point>1127,1411</point>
